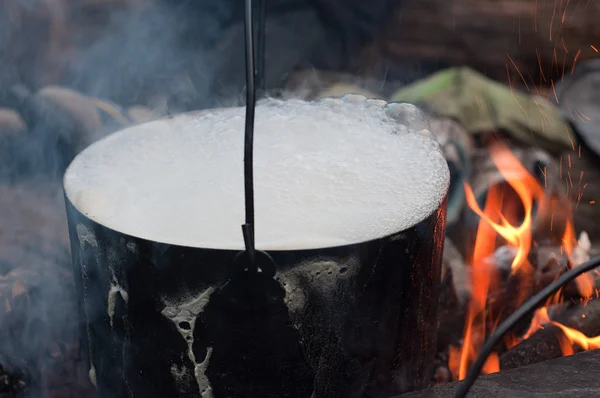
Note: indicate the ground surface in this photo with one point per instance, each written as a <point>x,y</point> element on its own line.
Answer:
<point>569,377</point>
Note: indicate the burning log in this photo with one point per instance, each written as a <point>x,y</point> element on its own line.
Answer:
<point>522,185</point>
<point>510,293</point>
<point>571,292</point>
<point>543,345</point>
<point>513,289</point>
<point>553,261</point>
<point>550,341</point>
<point>155,258</point>
<point>504,277</point>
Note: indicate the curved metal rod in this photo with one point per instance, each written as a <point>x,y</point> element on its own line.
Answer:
<point>248,227</point>
<point>260,47</point>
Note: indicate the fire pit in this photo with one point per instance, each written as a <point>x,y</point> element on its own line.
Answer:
<point>525,240</point>
<point>350,211</point>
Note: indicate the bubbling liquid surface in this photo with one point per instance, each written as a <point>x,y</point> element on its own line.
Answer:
<point>327,173</point>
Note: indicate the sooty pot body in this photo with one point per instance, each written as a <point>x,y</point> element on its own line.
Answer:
<point>161,321</point>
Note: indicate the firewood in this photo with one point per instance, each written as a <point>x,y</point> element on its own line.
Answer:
<point>549,264</point>
<point>546,343</point>
<point>541,346</point>
<point>571,291</point>
<point>514,290</point>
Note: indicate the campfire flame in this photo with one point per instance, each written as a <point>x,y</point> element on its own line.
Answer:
<point>498,225</point>
<point>528,189</point>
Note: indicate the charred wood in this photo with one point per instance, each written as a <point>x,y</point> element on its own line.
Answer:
<point>511,291</point>
<point>546,343</point>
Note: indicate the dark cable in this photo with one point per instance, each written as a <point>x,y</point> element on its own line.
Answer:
<point>248,227</point>
<point>516,317</point>
<point>260,47</point>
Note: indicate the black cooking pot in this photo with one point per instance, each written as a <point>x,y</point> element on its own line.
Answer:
<point>167,320</point>
<point>349,321</point>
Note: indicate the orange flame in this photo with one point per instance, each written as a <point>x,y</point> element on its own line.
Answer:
<point>570,337</point>
<point>540,318</point>
<point>494,222</point>
<point>575,337</point>
<point>528,189</point>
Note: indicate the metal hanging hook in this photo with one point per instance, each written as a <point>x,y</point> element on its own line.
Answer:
<point>248,229</point>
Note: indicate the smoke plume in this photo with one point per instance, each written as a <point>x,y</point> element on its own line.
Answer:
<point>168,55</point>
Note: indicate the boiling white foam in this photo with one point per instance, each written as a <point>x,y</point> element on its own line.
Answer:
<point>327,173</point>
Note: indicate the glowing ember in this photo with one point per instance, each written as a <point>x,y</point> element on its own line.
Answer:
<point>502,222</point>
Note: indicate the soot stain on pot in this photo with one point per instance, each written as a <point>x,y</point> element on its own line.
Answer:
<point>183,315</point>
<point>116,287</point>
<point>107,265</point>
<point>315,277</point>
<point>316,294</point>
<point>86,237</point>
<point>321,275</point>
<point>117,300</point>
<point>132,247</point>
